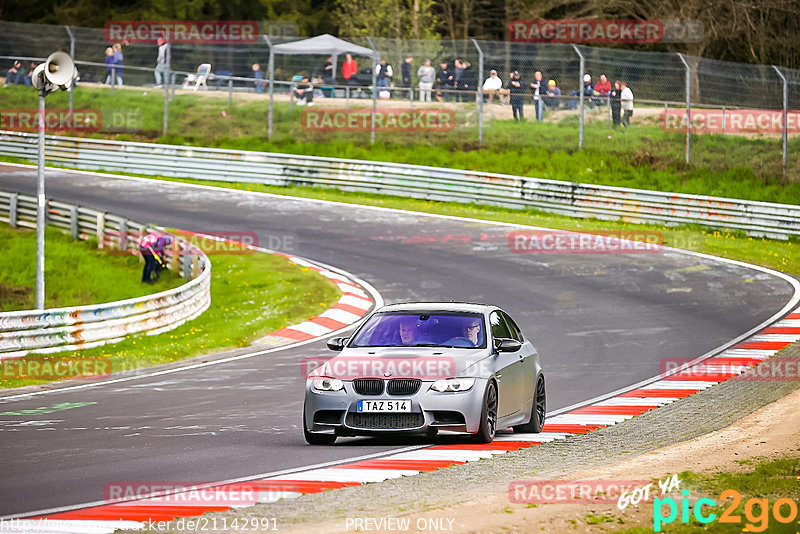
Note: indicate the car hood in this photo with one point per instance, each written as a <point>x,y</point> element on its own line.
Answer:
<point>426,363</point>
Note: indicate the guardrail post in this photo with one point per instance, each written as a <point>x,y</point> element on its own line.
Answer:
<point>175,253</point>
<point>187,269</point>
<point>123,235</point>
<point>195,263</point>
<point>100,229</point>
<point>12,210</point>
<point>73,222</point>
<point>580,87</point>
<point>688,105</point>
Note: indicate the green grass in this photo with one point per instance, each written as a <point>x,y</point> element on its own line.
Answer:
<point>771,479</point>
<point>76,272</point>
<point>643,157</point>
<point>251,296</point>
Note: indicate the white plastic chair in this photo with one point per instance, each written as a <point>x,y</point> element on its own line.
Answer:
<point>199,78</point>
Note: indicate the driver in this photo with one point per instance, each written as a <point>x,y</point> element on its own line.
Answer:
<point>471,330</point>
<point>408,331</point>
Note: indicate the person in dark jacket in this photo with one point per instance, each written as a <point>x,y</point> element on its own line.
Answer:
<point>152,248</point>
<point>517,89</point>
<point>444,83</point>
<point>468,83</point>
<point>406,75</point>
<point>616,102</point>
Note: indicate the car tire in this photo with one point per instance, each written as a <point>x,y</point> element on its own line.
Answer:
<point>488,424</point>
<point>536,423</point>
<point>314,438</point>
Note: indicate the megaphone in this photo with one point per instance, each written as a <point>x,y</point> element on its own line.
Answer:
<point>57,72</point>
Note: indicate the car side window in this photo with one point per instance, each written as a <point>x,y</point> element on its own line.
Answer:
<point>499,327</point>
<point>516,333</point>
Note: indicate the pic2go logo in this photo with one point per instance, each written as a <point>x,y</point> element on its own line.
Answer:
<point>756,511</point>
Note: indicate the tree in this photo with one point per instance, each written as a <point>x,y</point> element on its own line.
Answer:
<point>398,19</point>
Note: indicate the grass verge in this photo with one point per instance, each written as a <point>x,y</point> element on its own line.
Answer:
<point>643,156</point>
<point>251,295</point>
<point>76,272</point>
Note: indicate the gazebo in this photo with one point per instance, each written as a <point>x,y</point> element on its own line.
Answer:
<point>325,44</point>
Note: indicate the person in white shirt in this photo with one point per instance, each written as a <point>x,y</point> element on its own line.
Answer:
<point>493,86</point>
<point>627,104</point>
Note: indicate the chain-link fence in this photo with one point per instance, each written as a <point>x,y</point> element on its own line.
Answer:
<point>574,86</point>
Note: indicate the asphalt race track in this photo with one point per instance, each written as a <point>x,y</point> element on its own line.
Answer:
<point>600,321</point>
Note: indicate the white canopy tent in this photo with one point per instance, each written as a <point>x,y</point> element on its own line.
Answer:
<point>325,44</point>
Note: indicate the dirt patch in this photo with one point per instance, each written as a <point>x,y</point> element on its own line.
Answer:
<point>768,432</point>
<point>11,297</point>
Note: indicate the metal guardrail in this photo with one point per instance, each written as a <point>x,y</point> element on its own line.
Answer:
<point>432,183</point>
<point>80,327</point>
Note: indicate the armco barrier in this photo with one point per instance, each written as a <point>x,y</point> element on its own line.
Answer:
<point>567,198</point>
<point>79,327</point>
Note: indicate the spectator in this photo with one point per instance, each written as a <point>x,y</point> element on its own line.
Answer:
<point>349,69</point>
<point>259,78</point>
<point>304,92</point>
<point>516,88</point>
<point>626,96</point>
<point>152,248</point>
<point>328,72</point>
<point>492,86</point>
<point>118,61</point>
<point>28,79</point>
<point>538,89</point>
<point>109,66</point>
<point>162,62</point>
<point>15,74</point>
<point>458,71</point>
<point>588,91</point>
<point>406,75</point>
<point>603,87</point>
<point>427,75</point>
<point>385,74</point>
<point>614,97</point>
<point>444,82</point>
<point>468,82</point>
<point>553,98</point>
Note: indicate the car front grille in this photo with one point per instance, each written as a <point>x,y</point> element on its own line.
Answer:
<point>403,386</point>
<point>368,386</point>
<point>383,421</point>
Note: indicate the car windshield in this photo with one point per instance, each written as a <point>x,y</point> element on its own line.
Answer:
<point>465,330</point>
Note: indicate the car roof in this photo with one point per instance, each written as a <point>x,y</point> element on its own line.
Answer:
<point>470,307</point>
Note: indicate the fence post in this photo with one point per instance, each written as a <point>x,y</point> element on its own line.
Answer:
<point>172,92</point>
<point>73,222</point>
<point>580,88</point>
<point>723,120</point>
<point>100,229</point>
<point>113,78</point>
<point>167,81</point>
<point>230,92</point>
<point>195,263</point>
<point>271,69</point>
<point>375,59</point>
<point>72,55</point>
<point>784,127</point>
<point>688,105</point>
<point>608,110</point>
<point>480,92</point>
<point>12,210</point>
<point>175,253</point>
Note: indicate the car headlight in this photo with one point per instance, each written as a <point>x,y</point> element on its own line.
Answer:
<point>453,384</point>
<point>328,384</point>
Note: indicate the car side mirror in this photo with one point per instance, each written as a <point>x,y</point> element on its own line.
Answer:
<point>507,345</point>
<point>336,343</point>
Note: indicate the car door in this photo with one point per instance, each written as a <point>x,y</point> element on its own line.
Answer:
<point>527,367</point>
<point>510,389</point>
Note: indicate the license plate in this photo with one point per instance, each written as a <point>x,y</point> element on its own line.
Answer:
<point>386,406</point>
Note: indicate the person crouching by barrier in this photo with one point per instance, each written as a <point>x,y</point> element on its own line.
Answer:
<point>152,248</point>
